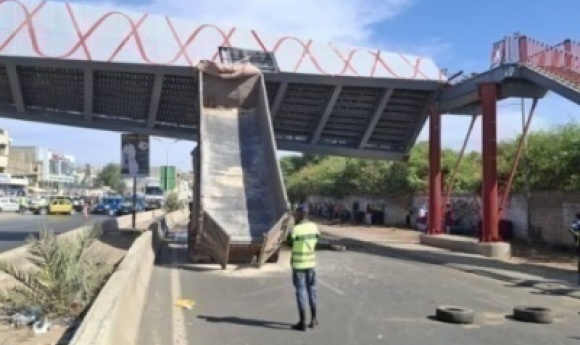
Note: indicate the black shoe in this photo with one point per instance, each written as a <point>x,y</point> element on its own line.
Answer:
<point>313,323</point>
<point>300,326</point>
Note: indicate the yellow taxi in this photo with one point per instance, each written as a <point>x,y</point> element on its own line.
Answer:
<point>61,206</point>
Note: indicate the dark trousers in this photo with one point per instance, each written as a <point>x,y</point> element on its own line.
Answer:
<point>305,284</point>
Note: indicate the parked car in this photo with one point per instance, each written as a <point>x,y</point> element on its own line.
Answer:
<point>8,204</point>
<point>43,205</point>
<point>39,205</point>
<point>109,205</point>
<point>78,204</point>
<point>126,207</point>
<point>61,206</point>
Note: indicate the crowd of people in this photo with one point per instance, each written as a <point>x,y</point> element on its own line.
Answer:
<point>356,213</point>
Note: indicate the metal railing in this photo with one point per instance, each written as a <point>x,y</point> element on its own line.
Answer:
<point>561,58</point>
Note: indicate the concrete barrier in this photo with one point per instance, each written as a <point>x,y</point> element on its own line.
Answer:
<point>116,313</point>
<point>500,250</point>
<point>18,255</point>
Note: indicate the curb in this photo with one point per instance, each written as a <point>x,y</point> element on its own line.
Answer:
<point>116,313</point>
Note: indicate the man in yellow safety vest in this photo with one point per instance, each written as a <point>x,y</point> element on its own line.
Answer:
<point>303,239</point>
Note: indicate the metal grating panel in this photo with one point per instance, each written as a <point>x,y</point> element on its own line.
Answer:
<point>387,145</point>
<point>122,95</point>
<point>272,90</point>
<point>52,88</point>
<point>398,121</point>
<point>350,115</point>
<point>5,90</point>
<point>302,103</point>
<point>179,104</point>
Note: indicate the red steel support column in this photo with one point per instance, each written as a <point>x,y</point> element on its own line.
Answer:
<point>488,98</point>
<point>434,172</point>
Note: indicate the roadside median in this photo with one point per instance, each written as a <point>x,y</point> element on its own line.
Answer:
<point>18,255</point>
<point>116,313</point>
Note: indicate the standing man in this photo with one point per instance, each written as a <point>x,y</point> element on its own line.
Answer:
<point>23,204</point>
<point>303,239</point>
<point>575,230</point>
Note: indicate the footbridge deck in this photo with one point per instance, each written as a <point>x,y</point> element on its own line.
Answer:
<point>90,67</point>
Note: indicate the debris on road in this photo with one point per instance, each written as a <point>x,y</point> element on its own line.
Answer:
<point>41,326</point>
<point>185,303</point>
<point>25,317</point>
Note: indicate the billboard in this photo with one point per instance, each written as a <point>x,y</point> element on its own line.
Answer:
<point>57,167</point>
<point>168,178</point>
<point>134,155</point>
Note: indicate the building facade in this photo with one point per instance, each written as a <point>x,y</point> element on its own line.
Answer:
<point>4,150</point>
<point>44,168</point>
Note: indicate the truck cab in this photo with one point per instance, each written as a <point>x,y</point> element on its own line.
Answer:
<point>154,197</point>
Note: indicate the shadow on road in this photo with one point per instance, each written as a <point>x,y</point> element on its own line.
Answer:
<point>246,322</point>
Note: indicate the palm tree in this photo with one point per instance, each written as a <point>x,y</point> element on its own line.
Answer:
<point>66,276</point>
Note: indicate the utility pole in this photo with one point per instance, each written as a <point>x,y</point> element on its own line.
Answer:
<point>167,168</point>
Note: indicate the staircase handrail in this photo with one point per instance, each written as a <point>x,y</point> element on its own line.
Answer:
<point>516,49</point>
<point>555,57</point>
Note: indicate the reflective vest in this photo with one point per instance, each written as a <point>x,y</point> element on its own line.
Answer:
<point>304,237</point>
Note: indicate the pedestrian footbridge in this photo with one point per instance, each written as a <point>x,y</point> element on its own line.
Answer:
<point>91,67</point>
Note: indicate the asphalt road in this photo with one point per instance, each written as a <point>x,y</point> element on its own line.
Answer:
<point>365,298</point>
<point>15,228</point>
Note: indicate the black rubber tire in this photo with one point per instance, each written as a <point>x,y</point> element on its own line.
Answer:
<point>453,314</point>
<point>533,314</point>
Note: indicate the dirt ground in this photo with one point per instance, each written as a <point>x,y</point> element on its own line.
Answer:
<point>114,246</point>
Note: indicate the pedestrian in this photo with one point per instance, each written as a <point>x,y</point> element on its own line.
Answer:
<point>575,230</point>
<point>303,239</point>
<point>369,215</point>
<point>22,204</point>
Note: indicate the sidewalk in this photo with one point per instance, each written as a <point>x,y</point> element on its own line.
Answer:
<point>549,278</point>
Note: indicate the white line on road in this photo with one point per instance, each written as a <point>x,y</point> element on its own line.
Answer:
<point>179,333</point>
<point>325,284</point>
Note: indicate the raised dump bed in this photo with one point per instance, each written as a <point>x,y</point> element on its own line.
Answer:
<point>240,205</point>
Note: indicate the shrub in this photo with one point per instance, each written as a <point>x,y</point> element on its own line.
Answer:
<point>172,202</point>
<point>66,276</point>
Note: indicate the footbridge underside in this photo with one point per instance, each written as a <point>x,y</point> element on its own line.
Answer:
<point>365,117</point>
<point>93,67</point>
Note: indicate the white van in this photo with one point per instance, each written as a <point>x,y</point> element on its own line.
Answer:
<point>8,204</point>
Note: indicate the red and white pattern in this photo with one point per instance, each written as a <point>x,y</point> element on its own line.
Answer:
<point>81,32</point>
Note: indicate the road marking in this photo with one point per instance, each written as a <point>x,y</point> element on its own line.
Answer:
<point>179,333</point>
<point>325,284</point>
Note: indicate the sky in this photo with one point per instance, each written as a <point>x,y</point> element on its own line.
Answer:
<point>457,34</point>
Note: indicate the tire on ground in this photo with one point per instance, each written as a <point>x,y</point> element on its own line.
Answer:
<point>454,315</point>
<point>533,314</point>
